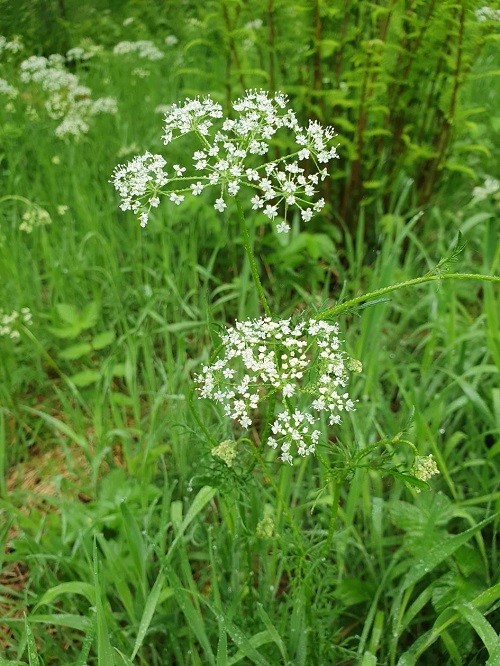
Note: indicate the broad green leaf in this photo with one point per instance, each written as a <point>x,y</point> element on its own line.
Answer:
<point>75,351</point>
<point>85,378</point>
<point>68,313</point>
<point>103,339</point>
<point>90,315</point>
<point>64,332</point>
<point>440,552</point>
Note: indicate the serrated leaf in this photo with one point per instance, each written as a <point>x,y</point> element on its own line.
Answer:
<point>75,351</point>
<point>90,314</point>
<point>68,313</point>
<point>103,339</point>
<point>85,378</point>
<point>65,332</point>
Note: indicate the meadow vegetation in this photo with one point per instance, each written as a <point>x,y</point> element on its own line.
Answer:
<point>139,523</point>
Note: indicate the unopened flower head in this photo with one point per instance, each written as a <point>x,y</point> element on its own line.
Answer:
<point>423,468</point>
<point>34,217</point>
<point>233,153</point>
<point>226,451</point>
<point>301,363</point>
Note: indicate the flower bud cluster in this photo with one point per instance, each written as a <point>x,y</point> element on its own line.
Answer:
<point>34,217</point>
<point>232,153</point>
<point>301,363</point>
<point>423,468</point>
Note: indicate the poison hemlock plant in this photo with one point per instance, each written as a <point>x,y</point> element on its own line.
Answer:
<point>295,365</point>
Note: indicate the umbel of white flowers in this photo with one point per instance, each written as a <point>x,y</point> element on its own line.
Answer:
<point>233,152</point>
<point>300,363</point>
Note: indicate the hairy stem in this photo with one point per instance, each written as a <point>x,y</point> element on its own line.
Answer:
<point>339,309</point>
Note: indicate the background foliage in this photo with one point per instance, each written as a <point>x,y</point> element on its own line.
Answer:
<point>125,540</point>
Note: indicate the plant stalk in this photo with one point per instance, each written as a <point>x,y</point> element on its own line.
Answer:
<point>338,309</point>
<point>251,258</point>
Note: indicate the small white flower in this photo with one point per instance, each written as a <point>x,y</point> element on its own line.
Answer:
<point>176,198</point>
<point>283,227</point>
<point>220,204</point>
<point>197,188</point>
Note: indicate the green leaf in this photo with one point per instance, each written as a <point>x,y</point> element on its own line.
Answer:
<point>74,587</point>
<point>66,331</point>
<point>119,370</point>
<point>105,655</point>
<point>90,315</point>
<point>148,613</point>
<point>192,615</point>
<point>369,659</point>
<point>85,377</point>
<point>70,620</point>
<point>30,640</point>
<point>481,625</point>
<point>68,313</point>
<point>75,351</point>
<point>103,339</point>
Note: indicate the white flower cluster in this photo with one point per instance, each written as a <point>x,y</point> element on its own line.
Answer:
<point>299,360</point>
<point>7,89</point>
<point>144,49</point>
<point>491,186</point>
<point>487,14</point>
<point>233,153</point>
<point>13,46</point>
<point>9,322</point>
<point>68,101</point>
<point>80,54</point>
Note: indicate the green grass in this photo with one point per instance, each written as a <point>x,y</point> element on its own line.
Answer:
<point>125,541</point>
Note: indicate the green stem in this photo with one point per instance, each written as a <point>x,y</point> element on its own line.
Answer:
<point>337,486</point>
<point>338,309</point>
<point>281,500</point>
<point>251,258</point>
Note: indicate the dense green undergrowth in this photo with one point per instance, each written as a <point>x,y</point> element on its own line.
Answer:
<point>125,540</point>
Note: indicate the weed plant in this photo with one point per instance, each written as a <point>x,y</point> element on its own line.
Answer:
<point>127,539</point>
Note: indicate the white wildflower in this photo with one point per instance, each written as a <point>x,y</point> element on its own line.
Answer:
<point>292,360</point>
